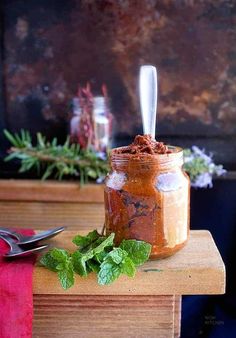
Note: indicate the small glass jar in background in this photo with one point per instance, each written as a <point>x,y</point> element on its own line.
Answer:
<point>147,198</point>
<point>75,119</point>
<point>102,125</point>
<point>91,124</point>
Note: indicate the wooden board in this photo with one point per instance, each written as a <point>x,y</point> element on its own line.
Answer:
<point>41,205</point>
<point>177,315</point>
<point>196,269</point>
<point>49,191</point>
<point>44,215</point>
<point>60,316</point>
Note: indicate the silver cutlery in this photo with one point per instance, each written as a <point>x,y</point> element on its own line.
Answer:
<point>148,98</point>
<point>24,239</point>
<point>16,250</point>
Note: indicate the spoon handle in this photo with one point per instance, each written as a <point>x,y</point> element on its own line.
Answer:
<point>148,98</point>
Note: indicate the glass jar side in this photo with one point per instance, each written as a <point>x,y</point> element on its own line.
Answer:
<point>141,199</point>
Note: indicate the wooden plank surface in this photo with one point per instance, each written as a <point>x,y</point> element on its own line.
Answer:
<point>43,215</point>
<point>60,316</point>
<point>196,269</point>
<point>40,205</point>
<point>177,315</point>
<point>49,191</point>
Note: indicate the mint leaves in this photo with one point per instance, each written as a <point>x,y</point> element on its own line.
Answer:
<point>59,260</point>
<point>138,251</point>
<point>116,263</point>
<point>84,241</point>
<point>97,253</point>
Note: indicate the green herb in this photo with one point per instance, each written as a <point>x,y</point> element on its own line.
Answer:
<point>53,160</point>
<point>98,254</point>
<point>200,167</point>
<point>128,267</point>
<point>196,166</point>
<point>138,251</point>
<point>109,272</point>
<point>59,260</point>
<point>79,263</point>
<point>116,263</point>
<point>117,255</point>
<point>84,241</point>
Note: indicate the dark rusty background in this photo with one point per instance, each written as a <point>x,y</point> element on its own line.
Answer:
<point>49,47</point>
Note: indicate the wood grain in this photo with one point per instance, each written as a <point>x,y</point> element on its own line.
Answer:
<point>196,269</point>
<point>104,316</point>
<point>43,215</point>
<point>53,191</point>
<point>41,205</point>
<point>177,315</point>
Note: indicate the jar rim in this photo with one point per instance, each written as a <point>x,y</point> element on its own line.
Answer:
<point>125,161</point>
<point>176,152</point>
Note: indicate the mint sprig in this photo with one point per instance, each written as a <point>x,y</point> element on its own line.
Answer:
<point>138,251</point>
<point>59,260</point>
<point>98,254</point>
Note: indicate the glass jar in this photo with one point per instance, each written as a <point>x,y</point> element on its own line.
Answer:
<point>101,125</point>
<point>75,119</point>
<point>90,124</point>
<point>147,198</point>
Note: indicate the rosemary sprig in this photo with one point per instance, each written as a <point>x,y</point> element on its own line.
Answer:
<point>53,160</point>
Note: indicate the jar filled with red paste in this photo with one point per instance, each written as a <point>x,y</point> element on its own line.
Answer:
<point>147,196</point>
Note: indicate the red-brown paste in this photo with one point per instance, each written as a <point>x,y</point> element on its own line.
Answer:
<point>143,144</point>
<point>147,196</point>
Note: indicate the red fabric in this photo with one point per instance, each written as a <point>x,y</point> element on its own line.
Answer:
<point>16,296</point>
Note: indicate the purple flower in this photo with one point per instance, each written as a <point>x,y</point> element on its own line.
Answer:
<point>201,153</point>
<point>219,170</point>
<point>203,181</point>
<point>201,167</point>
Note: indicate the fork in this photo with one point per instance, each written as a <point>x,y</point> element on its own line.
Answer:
<point>16,250</point>
<point>23,239</point>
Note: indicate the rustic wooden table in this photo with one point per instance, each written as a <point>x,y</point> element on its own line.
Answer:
<point>147,306</point>
<point>45,204</point>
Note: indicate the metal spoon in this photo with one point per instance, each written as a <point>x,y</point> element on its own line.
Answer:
<point>148,98</point>
<point>23,239</point>
<point>16,250</point>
